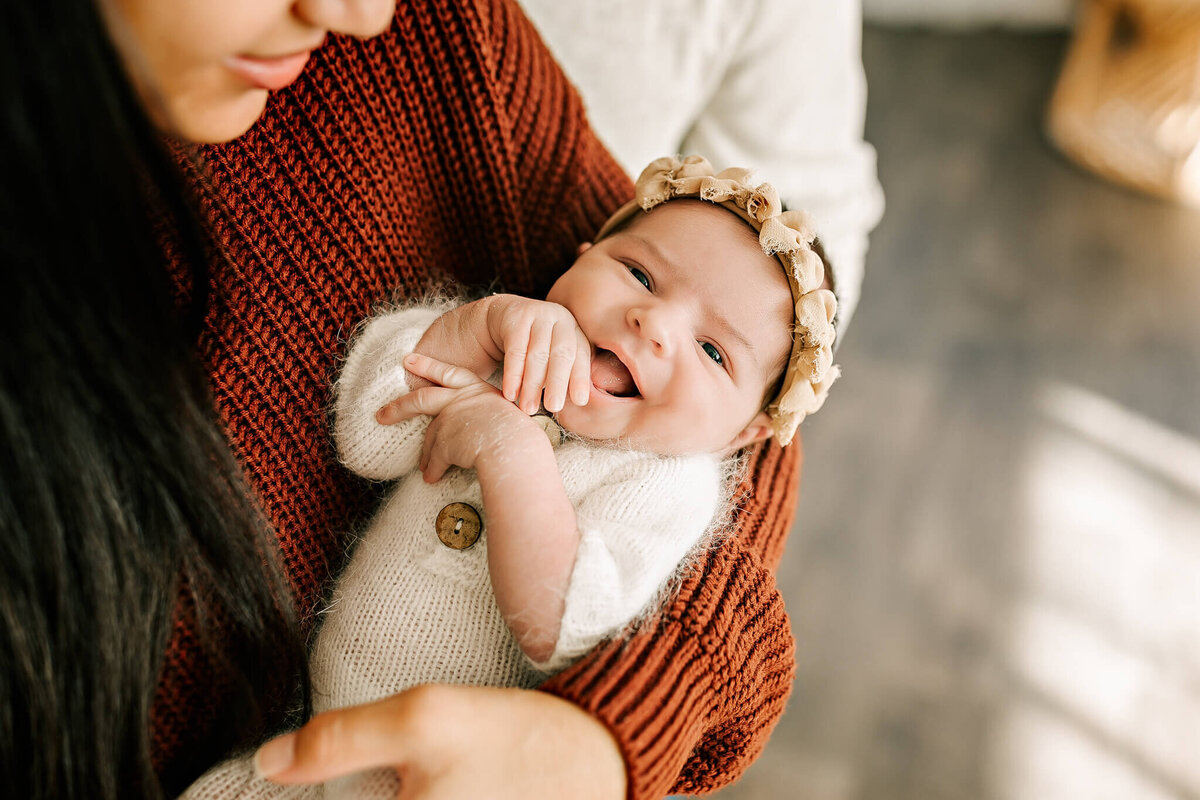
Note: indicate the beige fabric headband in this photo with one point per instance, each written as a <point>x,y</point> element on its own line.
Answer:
<point>787,235</point>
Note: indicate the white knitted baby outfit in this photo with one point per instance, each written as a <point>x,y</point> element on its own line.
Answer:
<point>408,609</point>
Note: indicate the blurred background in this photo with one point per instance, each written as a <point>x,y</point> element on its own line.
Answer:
<point>994,578</point>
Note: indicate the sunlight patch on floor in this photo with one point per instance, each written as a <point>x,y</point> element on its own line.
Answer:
<point>1104,643</point>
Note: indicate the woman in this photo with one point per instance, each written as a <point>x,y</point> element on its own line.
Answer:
<point>449,145</point>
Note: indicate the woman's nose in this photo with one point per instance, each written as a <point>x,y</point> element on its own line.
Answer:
<point>361,18</point>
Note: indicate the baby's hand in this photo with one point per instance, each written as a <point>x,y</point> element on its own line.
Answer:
<point>470,418</point>
<point>544,350</point>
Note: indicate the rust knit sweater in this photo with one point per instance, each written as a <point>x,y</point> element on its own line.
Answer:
<point>450,147</point>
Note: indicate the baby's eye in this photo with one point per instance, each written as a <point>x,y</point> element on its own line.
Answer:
<point>711,350</point>
<point>639,276</point>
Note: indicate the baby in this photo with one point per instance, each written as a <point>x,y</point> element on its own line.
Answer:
<point>514,542</point>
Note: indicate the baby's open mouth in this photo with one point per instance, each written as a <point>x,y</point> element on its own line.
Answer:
<point>609,375</point>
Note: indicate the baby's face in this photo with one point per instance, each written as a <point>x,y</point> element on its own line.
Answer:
<point>688,321</point>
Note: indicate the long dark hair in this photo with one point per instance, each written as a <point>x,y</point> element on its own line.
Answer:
<point>116,481</point>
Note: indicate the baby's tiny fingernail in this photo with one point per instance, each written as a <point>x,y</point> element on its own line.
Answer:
<point>384,415</point>
<point>275,756</point>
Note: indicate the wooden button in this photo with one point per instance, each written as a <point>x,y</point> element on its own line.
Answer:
<point>458,526</point>
<point>552,429</point>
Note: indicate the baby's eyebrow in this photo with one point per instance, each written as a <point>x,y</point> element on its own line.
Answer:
<point>655,252</point>
<point>732,332</point>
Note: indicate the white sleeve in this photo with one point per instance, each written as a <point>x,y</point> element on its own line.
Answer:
<point>372,376</point>
<point>792,102</point>
<point>635,530</point>
<point>776,85</point>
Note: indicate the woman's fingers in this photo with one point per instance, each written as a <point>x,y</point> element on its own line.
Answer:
<point>341,742</point>
<point>538,747</point>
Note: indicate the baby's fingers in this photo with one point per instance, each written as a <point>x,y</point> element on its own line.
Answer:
<point>440,372</point>
<point>431,466</point>
<point>430,401</point>
<point>541,337</point>
<point>569,359</point>
<point>516,345</point>
<point>580,386</point>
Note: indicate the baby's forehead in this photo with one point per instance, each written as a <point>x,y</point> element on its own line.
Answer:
<point>711,222</point>
<point>700,236</point>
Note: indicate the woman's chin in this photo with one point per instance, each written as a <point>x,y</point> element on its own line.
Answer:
<point>208,120</point>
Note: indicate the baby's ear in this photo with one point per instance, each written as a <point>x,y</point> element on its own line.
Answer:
<point>758,429</point>
<point>583,248</point>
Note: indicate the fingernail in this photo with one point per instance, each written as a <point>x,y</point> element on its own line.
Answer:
<point>275,756</point>
<point>383,416</point>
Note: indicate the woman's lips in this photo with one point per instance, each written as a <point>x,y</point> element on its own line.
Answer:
<point>268,73</point>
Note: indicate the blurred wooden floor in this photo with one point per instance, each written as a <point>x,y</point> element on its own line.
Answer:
<point>995,575</point>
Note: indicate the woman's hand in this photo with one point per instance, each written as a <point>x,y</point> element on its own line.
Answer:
<point>458,742</point>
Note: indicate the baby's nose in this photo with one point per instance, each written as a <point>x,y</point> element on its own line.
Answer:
<point>653,325</point>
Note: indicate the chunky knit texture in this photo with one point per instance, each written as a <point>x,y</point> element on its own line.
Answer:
<point>452,142</point>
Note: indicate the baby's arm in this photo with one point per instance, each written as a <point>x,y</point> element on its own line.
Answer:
<point>372,376</point>
<point>639,519</point>
<point>531,532</point>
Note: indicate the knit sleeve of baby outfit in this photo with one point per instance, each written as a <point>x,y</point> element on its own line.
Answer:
<point>373,375</point>
<point>619,570</point>
<point>693,695</point>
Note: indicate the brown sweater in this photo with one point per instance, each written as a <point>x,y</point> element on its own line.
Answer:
<point>451,147</point>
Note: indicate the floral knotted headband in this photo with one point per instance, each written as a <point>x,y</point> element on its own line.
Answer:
<point>787,235</point>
